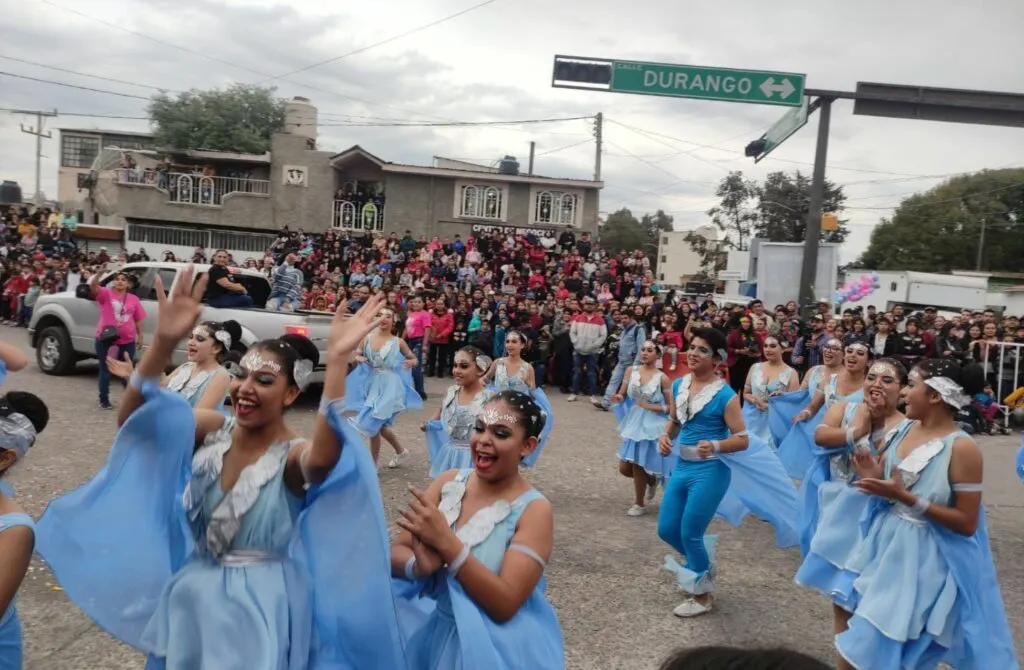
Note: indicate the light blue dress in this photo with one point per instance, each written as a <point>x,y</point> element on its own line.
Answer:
<point>640,428</point>
<point>446,630</point>
<point>254,579</point>
<point>831,513</point>
<point>783,407</point>
<point>760,387</point>
<point>10,624</point>
<point>924,594</point>
<point>448,437</point>
<point>503,381</point>
<point>797,451</point>
<point>192,386</point>
<point>381,388</point>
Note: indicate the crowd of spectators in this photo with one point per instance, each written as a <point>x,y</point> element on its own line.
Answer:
<point>584,310</point>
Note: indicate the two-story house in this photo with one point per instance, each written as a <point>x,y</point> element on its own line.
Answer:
<point>176,200</point>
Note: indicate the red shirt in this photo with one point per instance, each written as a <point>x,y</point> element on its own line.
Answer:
<point>441,327</point>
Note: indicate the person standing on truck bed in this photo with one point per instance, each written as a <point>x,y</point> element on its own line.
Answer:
<point>223,290</point>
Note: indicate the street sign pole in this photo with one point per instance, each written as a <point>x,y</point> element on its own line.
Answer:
<point>809,270</point>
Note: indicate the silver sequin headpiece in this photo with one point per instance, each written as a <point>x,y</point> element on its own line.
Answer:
<point>951,393</point>
<point>17,433</point>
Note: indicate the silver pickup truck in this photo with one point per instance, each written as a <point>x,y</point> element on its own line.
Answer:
<point>63,326</point>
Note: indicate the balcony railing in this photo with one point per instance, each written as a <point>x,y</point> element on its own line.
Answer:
<point>193,189</point>
<point>350,215</point>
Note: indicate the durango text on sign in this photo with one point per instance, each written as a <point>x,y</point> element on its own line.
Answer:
<point>686,81</point>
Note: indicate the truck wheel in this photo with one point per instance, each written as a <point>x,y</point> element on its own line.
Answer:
<point>54,353</point>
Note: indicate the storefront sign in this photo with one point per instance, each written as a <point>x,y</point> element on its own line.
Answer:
<point>514,230</point>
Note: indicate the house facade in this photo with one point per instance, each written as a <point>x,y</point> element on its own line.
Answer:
<point>169,199</point>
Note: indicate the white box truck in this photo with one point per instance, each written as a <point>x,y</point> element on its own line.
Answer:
<point>917,290</point>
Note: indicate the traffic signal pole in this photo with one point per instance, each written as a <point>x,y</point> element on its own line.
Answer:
<point>809,269</point>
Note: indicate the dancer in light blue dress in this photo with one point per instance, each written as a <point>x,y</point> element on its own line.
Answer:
<point>500,377</point>
<point>381,387</point>
<point>261,550</point>
<point>764,381</point>
<point>203,379</point>
<point>23,416</point>
<point>470,560</point>
<point>796,451</point>
<point>926,589</point>
<point>448,432</point>
<point>641,407</point>
<point>832,506</point>
<point>721,471</point>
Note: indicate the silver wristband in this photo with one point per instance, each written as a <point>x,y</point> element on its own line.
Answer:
<point>410,567</point>
<point>327,403</point>
<point>921,506</point>
<point>716,446</point>
<point>460,560</point>
<point>850,441</point>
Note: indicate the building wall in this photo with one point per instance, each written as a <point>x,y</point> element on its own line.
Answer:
<point>676,259</point>
<point>306,207</point>
<point>428,206</point>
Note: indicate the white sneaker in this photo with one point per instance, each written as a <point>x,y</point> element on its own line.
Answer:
<point>652,490</point>
<point>691,608</point>
<point>636,510</point>
<point>571,398</point>
<point>396,460</point>
<point>597,401</point>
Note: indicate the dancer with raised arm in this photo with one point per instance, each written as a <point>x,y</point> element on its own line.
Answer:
<point>767,379</point>
<point>261,549</point>
<point>381,387</point>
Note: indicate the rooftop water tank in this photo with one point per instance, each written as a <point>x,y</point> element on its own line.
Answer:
<point>300,118</point>
<point>508,165</point>
<point>10,193</point>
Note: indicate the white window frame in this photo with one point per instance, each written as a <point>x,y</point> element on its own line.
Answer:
<point>558,198</point>
<point>479,212</point>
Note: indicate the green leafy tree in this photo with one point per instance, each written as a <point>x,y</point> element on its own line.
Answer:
<point>782,204</point>
<point>622,231</point>
<point>713,256</point>
<point>940,230</point>
<point>241,118</point>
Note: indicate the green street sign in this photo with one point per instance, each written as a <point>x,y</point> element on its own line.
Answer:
<point>791,121</point>
<point>680,81</point>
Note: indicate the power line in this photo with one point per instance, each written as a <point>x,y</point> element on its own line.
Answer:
<point>77,86</point>
<point>429,124</point>
<point>567,146</point>
<point>85,74</point>
<point>386,41</point>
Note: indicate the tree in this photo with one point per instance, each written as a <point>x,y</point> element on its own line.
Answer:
<point>624,232</point>
<point>712,257</point>
<point>782,204</point>
<point>734,216</point>
<point>940,230</point>
<point>241,118</point>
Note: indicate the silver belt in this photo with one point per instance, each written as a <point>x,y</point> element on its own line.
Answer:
<point>243,558</point>
<point>690,453</point>
<point>907,514</point>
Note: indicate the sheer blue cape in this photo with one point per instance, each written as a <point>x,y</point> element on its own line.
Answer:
<point>1020,463</point>
<point>358,382</point>
<point>531,639</point>
<point>796,451</point>
<point>986,641</point>
<point>115,541</point>
<point>781,410</point>
<point>760,485</point>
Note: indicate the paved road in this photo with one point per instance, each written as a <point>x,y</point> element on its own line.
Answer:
<point>614,604</point>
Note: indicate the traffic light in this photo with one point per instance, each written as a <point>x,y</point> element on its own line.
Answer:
<point>755,148</point>
<point>578,72</point>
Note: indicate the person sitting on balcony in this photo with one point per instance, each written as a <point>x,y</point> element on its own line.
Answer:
<point>223,290</point>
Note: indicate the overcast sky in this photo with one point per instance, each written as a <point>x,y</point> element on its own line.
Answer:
<point>494,63</point>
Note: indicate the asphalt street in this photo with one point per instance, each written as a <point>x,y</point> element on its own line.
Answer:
<point>605,579</point>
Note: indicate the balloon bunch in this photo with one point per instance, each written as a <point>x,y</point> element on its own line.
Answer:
<point>857,288</point>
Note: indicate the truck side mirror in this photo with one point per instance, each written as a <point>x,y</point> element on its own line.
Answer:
<point>83,291</point>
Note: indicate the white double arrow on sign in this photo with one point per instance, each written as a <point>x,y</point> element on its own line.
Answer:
<point>784,88</point>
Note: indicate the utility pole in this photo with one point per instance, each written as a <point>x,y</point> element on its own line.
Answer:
<point>37,130</point>
<point>981,245</point>
<point>599,144</point>
<point>533,150</point>
<point>809,271</point>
